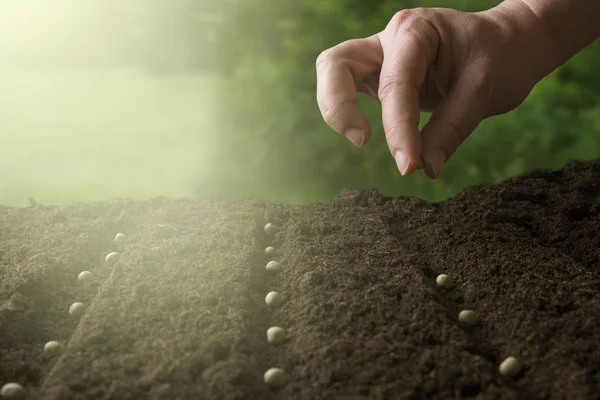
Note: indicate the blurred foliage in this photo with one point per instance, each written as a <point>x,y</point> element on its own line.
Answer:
<point>272,141</point>
<point>270,107</point>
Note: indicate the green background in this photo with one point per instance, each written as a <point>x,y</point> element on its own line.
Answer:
<point>206,98</point>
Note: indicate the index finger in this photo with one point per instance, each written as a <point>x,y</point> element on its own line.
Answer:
<point>409,50</point>
<point>339,70</point>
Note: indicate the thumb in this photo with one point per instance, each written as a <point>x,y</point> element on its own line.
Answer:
<point>453,121</point>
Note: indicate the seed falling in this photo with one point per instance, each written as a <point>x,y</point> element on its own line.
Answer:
<point>274,267</point>
<point>12,391</point>
<point>467,317</point>
<point>52,349</point>
<point>273,299</point>
<point>270,251</point>
<point>443,281</point>
<point>271,229</point>
<point>275,377</point>
<point>276,335</point>
<point>85,277</point>
<point>111,258</point>
<point>77,309</point>
<point>511,366</point>
<point>120,239</point>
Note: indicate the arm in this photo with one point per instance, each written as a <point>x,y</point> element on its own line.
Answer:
<point>570,25</point>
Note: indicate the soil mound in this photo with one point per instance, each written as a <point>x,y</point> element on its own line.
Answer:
<point>181,314</point>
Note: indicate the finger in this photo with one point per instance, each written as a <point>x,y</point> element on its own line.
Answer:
<point>339,70</point>
<point>452,122</point>
<point>407,57</point>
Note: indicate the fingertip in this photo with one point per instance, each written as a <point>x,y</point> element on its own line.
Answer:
<point>406,165</point>
<point>356,136</point>
<point>435,163</point>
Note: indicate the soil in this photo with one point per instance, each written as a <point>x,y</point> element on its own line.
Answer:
<point>182,313</point>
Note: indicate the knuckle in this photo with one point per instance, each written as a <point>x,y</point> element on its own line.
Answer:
<point>388,85</point>
<point>327,58</point>
<point>323,59</point>
<point>404,17</point>
<point>412,20</point>
<point>332,113</point>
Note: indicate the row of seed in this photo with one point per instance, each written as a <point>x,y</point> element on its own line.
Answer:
<point>511,366</point>
<point>274,377</point>
<point>53,348</point>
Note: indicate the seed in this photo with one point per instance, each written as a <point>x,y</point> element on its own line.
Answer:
<point>273,299</point>
<point>275,377</point>
<point>271,229</point>
<point>511,366</point>
<point>274,267</point>
<point>77,309</point>
<point>120,239</point>
<point>85,277</point>
<point>52,348</point>
<point>270,251</point>
<point>13,391</point>
<point>443,281</point>
<point>467,317</point>
<point>276,335</point>
<point>111,258</point>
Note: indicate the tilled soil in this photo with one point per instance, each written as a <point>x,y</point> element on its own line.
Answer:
<point>182,313</point>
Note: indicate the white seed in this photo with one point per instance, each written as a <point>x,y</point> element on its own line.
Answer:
<point>443,281</point>
<point>467,317</point>
<point>275,377</point>
<point>52,348</point>
<point>276,335</point>
<point>77,309</point>
<point>274,267</point>
<point>85,277</point>
<point>12,391</point>
<point>271,229</point>
<point>111,258</point>
<point>511,366</point>
<point>273,299</point>
<point>120,239</point>
<point>270,251</point>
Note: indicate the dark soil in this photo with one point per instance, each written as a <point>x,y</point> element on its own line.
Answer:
<point>182,313</point>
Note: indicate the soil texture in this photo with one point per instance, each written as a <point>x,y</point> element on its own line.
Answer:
<point>182,315</point>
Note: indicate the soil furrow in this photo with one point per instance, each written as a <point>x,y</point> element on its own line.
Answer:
<point>42,250</point>
<point>181,315</point>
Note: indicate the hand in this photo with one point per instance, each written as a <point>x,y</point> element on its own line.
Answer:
<point>463,67</point>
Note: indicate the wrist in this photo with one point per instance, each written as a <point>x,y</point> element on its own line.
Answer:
<point>575,24</point>
<point>562,27</point>
<point>523,31</point>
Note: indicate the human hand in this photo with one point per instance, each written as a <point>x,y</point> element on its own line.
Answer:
<point>463,67</point>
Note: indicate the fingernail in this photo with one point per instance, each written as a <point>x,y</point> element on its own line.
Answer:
<point>355,135</point>
<point>436,162</point>
<point>402,162</point>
